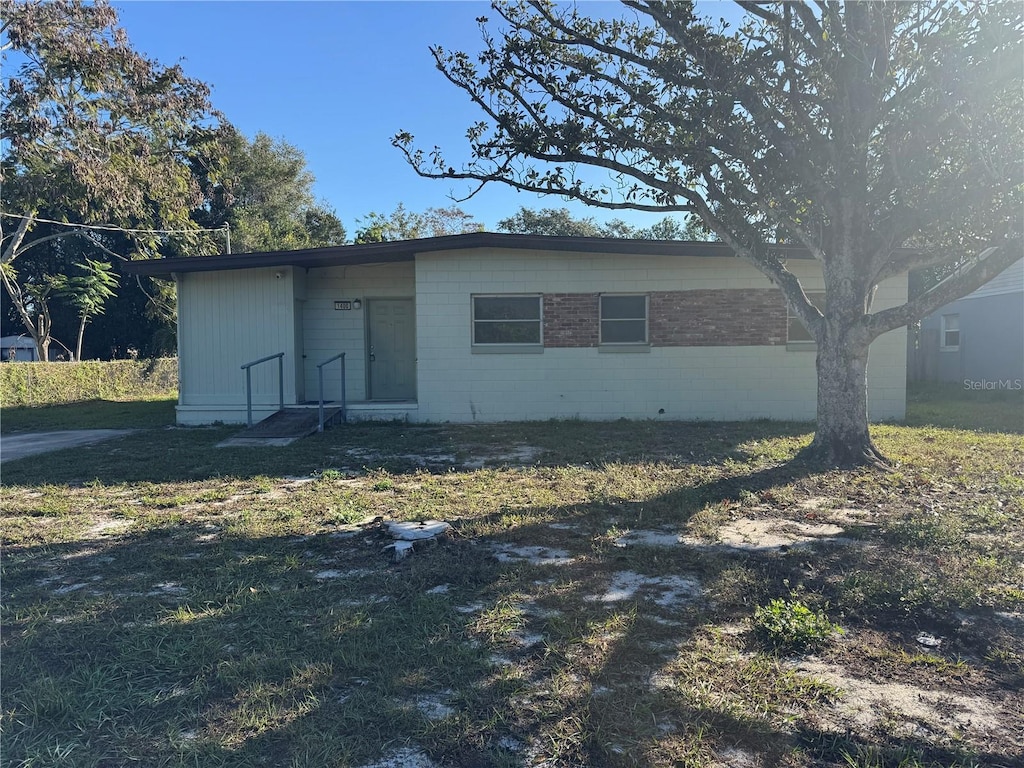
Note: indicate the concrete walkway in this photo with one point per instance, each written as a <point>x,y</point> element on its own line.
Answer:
<point>18,446</point>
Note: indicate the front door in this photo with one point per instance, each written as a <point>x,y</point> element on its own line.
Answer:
<point>391,349</point>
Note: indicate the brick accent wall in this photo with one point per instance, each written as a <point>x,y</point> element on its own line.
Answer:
<point>749,317</point>
<point>570,320</point>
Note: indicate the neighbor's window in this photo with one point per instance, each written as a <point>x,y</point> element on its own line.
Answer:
<point>623,319</point>
<point>506,319</point>
<point>797,332</point>
<point>950,333</point>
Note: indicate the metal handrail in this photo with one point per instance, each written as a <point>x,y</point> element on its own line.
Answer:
<point>320,374</point>
<point>248,383</point>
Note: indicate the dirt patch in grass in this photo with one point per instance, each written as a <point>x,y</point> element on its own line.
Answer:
<point>907,712</point>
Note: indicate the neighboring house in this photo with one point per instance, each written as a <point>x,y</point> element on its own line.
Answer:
<point>17,349</point>
<point>493,327</point>
<point>979,338</point>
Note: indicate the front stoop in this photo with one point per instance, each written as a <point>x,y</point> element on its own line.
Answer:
<point>282,428</point>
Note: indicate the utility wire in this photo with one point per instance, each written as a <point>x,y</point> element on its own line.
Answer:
<point>110,228</point>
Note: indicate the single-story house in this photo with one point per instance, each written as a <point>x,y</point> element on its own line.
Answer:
<point>18,349</point>
<point>977,340</point>
<point>493,327</point>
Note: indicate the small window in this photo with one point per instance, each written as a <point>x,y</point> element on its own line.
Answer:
<point>950,333</point>
<point>797,332</point>
<point>506,320</point>
<point>623,319</point>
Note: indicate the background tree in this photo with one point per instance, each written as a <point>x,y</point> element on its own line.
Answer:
<point>401,224</point>
<point>852,128</point>
<point>263,190</point>
<point>95,128</point>
<point>88,292</point>
<point>549,221</point>
<point>559,222</point>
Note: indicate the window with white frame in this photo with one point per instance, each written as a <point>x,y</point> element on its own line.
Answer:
<point>797,332</point>
<point>623,319</point>
<point>950,333</point>
<point>507,320</point>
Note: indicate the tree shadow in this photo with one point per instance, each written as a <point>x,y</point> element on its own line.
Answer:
<point>184,642</point>
<point>228,646</point>
<point>191,454</point>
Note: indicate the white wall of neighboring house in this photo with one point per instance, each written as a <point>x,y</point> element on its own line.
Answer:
<point>20,349</point>
<point>977,339</point>
<point>1010,280</point>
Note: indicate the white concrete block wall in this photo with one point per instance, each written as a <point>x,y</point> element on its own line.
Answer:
<point>329,331</point>
<point>229,318</point>
<point>667,382</point>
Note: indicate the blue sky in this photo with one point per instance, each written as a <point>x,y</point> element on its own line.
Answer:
<point>337,80</point>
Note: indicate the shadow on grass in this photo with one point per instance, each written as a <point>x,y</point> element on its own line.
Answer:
<point>201,644</point>
<point>190,454</point>
<point>90,414</point>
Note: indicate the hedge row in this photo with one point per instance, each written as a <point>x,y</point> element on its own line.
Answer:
<point>24,384</point>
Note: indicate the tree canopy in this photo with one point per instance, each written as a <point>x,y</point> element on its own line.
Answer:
<point>881,136</point>
<point>560,222</point>
<point>95,133</point>
<point>402,224</point>
<point>263,190</point>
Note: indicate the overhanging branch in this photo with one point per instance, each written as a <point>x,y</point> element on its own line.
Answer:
<point>972,276</point>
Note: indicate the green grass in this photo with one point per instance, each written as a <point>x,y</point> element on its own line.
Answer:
<point>954,407</point>
<point>167,602</point>
<point>90,414</point>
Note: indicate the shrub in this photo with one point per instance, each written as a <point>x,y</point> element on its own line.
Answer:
<point>790,626</point>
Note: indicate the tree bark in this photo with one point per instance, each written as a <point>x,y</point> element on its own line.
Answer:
<point>841,437</point>
<point>81,333</point>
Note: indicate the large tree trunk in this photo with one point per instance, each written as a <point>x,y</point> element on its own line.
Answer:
<point>841,438</point>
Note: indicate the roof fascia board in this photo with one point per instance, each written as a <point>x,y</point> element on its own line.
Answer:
<point>406,250</point>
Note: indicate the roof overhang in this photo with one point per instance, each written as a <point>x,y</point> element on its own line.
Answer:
<point>406,250</point>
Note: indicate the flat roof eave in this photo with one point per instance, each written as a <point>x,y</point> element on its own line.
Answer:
<point>406,250</point>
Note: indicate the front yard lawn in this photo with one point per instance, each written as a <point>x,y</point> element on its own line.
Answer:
<point>167,602</point>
